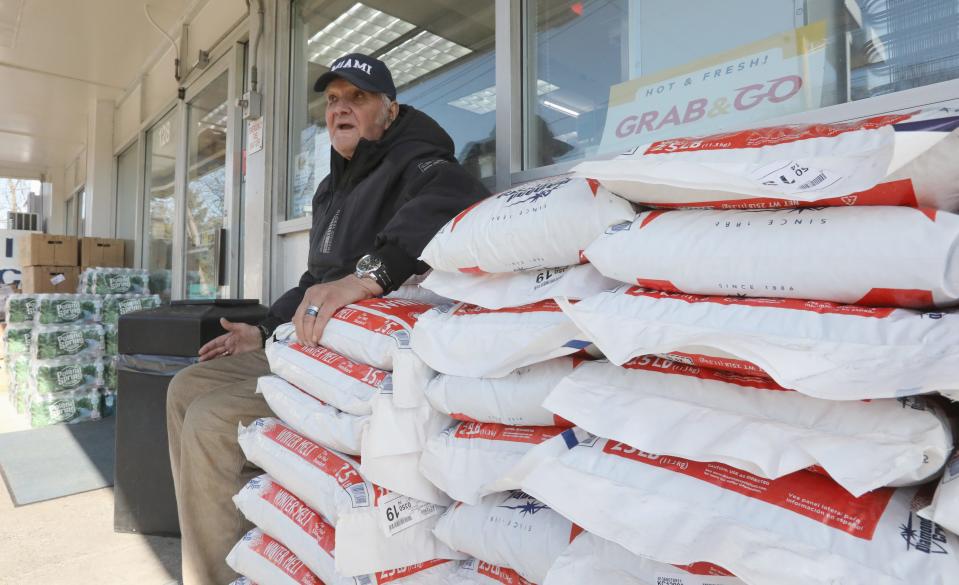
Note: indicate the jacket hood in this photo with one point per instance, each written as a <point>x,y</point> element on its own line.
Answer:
<point>413,134</point>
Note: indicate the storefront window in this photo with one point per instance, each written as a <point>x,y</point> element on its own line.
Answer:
<point>613,74</point>
<point>441,57</point>
<point>160,202</point>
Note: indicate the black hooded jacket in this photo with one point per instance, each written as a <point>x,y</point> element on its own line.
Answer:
<point>389,200</point>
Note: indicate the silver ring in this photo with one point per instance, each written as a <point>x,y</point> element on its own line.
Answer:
<point>312,310</point>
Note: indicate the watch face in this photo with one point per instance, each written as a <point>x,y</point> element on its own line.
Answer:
<point>368,264</point>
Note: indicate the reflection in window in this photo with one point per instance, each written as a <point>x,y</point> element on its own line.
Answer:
<point>614,74</point>
<point>441,58</point>
<point>160,202</point>
<point>206,188</point>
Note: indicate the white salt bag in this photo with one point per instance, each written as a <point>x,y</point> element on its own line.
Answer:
<point>801,162</point>
<point>804,166</point>
<point>466,340</point>
<point>371,535</point>
<point>497,291</point>
<point>508,529</point>
<point>265,560</point>
<point>470,460</point>
<point>836,352</point>
<point>591,559</point>
<point>890,256</point>
<point>754,424</point>
<point>285,517</point>
<point>329,482</point>
<point>373,331</point>
<point>924,159</point>
<point>476,572</point>
<point>802,529</point>
<point>312,418</point>
<point>944,508</point>
<point>280,514</point>
<point>324,373</point>
<point>515,399</point>
<point>541,224</point>
<point>392,444</point>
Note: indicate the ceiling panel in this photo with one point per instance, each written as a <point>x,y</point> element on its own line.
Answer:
<point>66,54</point>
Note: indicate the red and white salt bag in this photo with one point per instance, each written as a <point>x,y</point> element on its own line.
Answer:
<point>515,399</point>
<point>541,224</point>
<point>802,529</point>
<point>837,352</point>
<point>325,374</point>
<point>513,289</point>
<point>312,418</point>
<point>508,529</point>
<point>370,535</point>
<point>876,256</point>
<point>944,508</point>
<point>888,160</point>
<point>470,460</point>
<point>753,424</point>
<point>310,537</point>
<point>466,340</point>
<point>265,560</point>
<point>802,162</point>
<point>476,572</point>
<point>286,518</point>
<point>392,445</point>
<point>591,559</point>
<point>373,331</point>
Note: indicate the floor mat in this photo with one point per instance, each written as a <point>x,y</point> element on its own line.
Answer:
<point>56,461</point>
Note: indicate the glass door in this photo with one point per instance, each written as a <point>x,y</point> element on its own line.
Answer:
<point>160,202</point>
<point>212,190</point>
<point>206,190</point>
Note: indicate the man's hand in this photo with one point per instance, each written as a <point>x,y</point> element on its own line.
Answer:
<point>329,298</point>
<point>239,338</point>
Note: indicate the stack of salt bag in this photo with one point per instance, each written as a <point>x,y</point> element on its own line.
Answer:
<point>743,460</point>
<point>318,511</point>
<point>498,354</point>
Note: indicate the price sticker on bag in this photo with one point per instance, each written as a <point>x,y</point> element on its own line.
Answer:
<point>690,579</point>
<point>397,513</point>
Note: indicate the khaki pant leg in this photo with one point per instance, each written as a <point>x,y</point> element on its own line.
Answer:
<point>210,468</point>
<point>198,380</point>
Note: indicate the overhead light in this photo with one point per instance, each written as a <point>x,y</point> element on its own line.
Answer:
<point>420,55</point>
<point>561,109</point>
<point>360,29</point>
<point>484,100</point>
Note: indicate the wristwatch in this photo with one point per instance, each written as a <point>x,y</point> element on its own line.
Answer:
<point>371,266</point>
<point>264,333</point>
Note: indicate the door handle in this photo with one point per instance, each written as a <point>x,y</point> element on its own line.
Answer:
<point>221,258</point>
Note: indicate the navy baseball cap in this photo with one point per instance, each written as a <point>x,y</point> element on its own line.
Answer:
<point>361,70</point>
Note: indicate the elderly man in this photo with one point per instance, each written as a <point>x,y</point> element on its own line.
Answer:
<point>393,183</point>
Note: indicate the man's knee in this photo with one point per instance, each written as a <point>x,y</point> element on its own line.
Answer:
<point>184,388</point>
<point>211,413</point>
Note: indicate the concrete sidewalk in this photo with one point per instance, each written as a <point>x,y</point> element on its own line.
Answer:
<point>71,540</point>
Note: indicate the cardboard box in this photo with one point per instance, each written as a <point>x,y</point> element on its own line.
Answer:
<point>101,252</point>
<point>48,250</point>
<point>49,279</point>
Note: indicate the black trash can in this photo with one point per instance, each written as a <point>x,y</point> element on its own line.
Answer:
<point>154,345</point>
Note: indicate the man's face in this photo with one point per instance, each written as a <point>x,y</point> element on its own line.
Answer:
<point>353,113</point>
